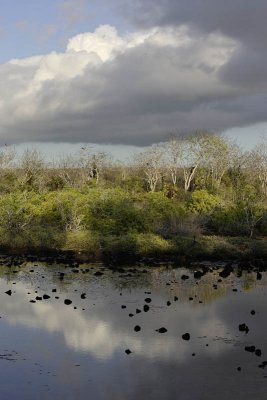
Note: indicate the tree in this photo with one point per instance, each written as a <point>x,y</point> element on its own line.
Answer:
<point>32,163</point>
<point>216,157</point>
<point>151,163</point>
<point>174,150</point>
<point>258,165</point>
<point>92,163</point>
<point>185,153</point>
<point>252,207</point>
<point>7,155</point>
<point>68,170</point>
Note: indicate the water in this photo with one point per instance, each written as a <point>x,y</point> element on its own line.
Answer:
<point>50,350</point>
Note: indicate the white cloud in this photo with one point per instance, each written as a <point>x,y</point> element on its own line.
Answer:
<point>104,42</point>
<point>101,336</point>
<point>132,88</point>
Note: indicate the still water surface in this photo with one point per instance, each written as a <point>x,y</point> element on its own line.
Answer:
<point>50,350</point>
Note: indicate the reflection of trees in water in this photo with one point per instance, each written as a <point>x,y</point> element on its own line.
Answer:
<point>203,289</point>
<point>165,279</point>
<point>199,290</point>
<point>248,281</point>
<point>136,280</point>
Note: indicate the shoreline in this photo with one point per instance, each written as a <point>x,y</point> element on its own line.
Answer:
<point>186,251</point>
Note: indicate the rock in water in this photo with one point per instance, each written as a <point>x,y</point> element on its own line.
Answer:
<point>137,328</point>
<point>258,352</point>
<point>186,336</point>
<point>9,292</point>
<point>128,351</point>
<point>259,276</point>
<point>198,274</point>
<point>98,273</point>
<point>226,271</point>
<point>67,302</point>
<point>243,328</point>
<point>250,349</point>
<point>263,364</point>
<point>162,330</point>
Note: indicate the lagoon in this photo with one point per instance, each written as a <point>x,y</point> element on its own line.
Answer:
<point>53,350</point>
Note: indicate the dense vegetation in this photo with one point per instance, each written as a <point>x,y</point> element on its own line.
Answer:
<point>197,196</point>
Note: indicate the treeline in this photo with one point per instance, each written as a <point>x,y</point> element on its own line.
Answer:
<point>188,187</point>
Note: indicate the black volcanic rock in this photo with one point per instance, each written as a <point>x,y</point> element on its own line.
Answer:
<point>263,364</point>
<point>198,274</point>
<point>162,330</point>
<point>243,328</point>
<point>186,336</point>
<point>226,271</point>
<point>258,352</point>
<point>259,276</point>
<point>250,349</point>
<point>98,273</point>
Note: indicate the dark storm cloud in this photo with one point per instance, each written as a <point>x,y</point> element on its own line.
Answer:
<point>190,65</point>
<point>242,20</point>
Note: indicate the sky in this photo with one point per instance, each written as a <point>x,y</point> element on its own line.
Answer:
<point>126,74</point>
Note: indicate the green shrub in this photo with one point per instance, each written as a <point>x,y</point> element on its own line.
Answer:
<point>202,202</point>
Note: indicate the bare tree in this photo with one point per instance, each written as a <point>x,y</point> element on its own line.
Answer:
<point>217,153</point>
<point>7,156</point>
<point>31,163</point>
<point>92,163</point>
<point>151,163</point>
<point>258,165</point>
<point>185,153</point>
<point>68,170</point>
<point>253,208</point>
<point>174,150</point>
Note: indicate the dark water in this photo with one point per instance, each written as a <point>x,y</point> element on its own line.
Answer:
<point>50,350</point>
